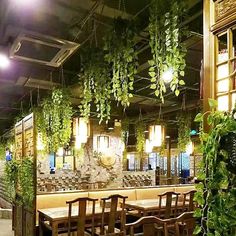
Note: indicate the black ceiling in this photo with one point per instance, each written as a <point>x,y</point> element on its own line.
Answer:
<point>79,22</point>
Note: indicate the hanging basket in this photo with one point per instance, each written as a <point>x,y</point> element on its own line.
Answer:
<point>228,143</point>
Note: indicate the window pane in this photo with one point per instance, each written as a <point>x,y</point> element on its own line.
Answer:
<point>223,71</point>
<point>234,43</point>
<point>223,86</point>
<point>223,52</point>
<point>233,100</point>
<point>233,68</point>
<point>223,103</point>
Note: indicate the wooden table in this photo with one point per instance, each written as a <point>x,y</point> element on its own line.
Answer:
<point>56,216</point>
<point>147,206</point>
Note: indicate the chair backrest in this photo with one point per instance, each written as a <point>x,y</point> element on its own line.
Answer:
<point>150,226</point>
<point>185,224</point>
<point>188,203</point>
<point>168,203</point>
<point>83,204</point>
<point>114,212</point>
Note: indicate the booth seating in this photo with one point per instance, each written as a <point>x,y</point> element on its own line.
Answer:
<point>59,199</point>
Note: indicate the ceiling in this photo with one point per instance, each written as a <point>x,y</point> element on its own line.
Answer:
<point>25,83</point>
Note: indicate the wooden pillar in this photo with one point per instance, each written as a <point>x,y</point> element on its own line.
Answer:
<point>208,55</point>
<point>168,147</point>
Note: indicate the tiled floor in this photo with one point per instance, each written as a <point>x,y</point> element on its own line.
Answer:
<point>5,228</point>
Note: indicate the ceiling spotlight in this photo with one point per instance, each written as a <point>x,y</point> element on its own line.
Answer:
<point>4,61</point>
<point>167,76</point>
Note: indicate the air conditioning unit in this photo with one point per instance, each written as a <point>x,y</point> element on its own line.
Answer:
<point>41,49</point>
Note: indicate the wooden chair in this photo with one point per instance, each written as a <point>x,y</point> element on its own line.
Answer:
<point>79,225</point>
<point>185,224</point>
<point>151,226</point>
<point>113,216</point>
<point>188,202</point>
<point>168,205</point>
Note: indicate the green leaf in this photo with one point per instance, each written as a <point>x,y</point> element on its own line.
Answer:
<point>152,73</point>
<point>181,82</point>
<point>212,103</point>
<point>177,92</point>
<point>182,73</point>
<point>157,93</point>
<point>198,213</point>
<point>153,86</point>
<point>199,117</point>
<point>197,230</point>
<point>151,62</point>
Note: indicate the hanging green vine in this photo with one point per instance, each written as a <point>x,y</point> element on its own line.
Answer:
<point>96,84</point>
<point>120,54</point>
<point>11,177</point>
<point>216,193</point>
<point>167,50</point>
<point>54,120</point>
<point>125,131</point>
<point>184,129</point>
<point>26,174</point>
<point>140,136</point>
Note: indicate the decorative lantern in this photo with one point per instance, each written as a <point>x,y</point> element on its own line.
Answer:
<point>102,143</point>
<point>80,131</point>
<point>156,135</point>
<point>189,148</point>
<point>148,146</point>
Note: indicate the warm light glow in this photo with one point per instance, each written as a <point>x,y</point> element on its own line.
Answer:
<point>40,145</point>
<point>103,143</point>
<point>189,148</point>
<point>156,135</point>
<point>167,76</point>
<point>223,103</point>
<point>83,129</point>
<point>4,61</point>
<point>148,146</point>
<point>223,71</point>
<point>223,86</point>
<point>60,151</point>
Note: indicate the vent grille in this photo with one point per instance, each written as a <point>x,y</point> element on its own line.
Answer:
<point>37,48</point>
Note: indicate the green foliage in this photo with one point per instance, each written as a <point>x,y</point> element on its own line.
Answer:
<point>216,194</point>
<point>2,151</point>
<point>54,120</point>
<point>26,181</point>
<point>11,177</point>
<point>167,50</point>
<point>96,84</point>
<point>120,54</point>
<point>184,129</point>
<point>125,130</point>
<point>140,136</point>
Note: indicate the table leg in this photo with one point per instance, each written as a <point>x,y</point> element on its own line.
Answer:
<point>54,229</point>
<point>40,225</point>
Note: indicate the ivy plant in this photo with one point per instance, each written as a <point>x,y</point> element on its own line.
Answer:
<point>26,180</point>
<point>54,120</point>
<point>216,195</point>
<point>168,52</point>
<point>184,129</point>
<point>96,84</point>
<point>11,173</point>
<point>125,130</point>
<point>121,55</point>
<point>140,136</point>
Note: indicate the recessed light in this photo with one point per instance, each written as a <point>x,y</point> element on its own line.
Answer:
<point>4,61</point>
